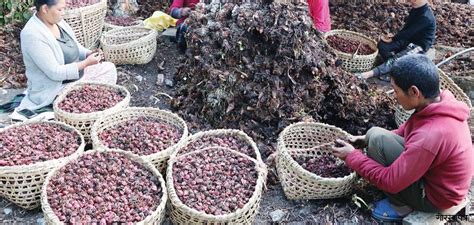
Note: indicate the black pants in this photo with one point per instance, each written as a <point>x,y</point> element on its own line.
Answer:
<point>181,38</point>
<point>387,50</point>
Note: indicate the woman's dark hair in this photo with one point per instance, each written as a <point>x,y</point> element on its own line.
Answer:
<point>417,70</point>
<point>49,3</point>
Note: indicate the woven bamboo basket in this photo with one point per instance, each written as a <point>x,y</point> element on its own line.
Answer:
<point>22,184</point>
<point>446,83</point>
<point>309,139</point>
<point>129,45</point>
<point>182,214</point>
<point>158,159</point>
<point>84,121</point>
<point>220,133</point>
<point>87,22</point>
<point>156,217</point>
<point>354,62</point>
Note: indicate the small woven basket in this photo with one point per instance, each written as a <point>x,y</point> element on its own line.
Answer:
<point>22,184</point>
<point>158,159</point>
<point>156,217</point>
<point>84,121</point>
<point>183,214</point>
<point>446,83</point>
<point>129,45</point>
<point>87,22</point>
<point>309,139</point>
<point>354,62</point>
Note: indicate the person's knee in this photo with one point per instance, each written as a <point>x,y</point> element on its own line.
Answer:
<point>111,72</point>
<point>374,137</point>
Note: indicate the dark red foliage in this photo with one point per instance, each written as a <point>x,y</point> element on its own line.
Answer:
<point>324,166</point>
<point>142,136</point>
<point>31,143</point>
<point>214,181</point>
<point>350,46</point>
<point>90,98</point>
<point>103,188</point>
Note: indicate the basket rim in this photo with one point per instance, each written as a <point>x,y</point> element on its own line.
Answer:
<point>46,207</point>
<point>33,166</point>
<point>217,132</point>
<point>338,31</point>
<point>98,144</point>
<point>283,150</point>
<point>92,115</point>
<point>83,8</point>
<point>260,168</point>
<point>152,34</point>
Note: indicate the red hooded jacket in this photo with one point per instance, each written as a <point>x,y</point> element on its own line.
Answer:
<point>438,149</point>
<point>178,4</point>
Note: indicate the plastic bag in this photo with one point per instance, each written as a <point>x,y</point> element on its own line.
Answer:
<point>159,21</point>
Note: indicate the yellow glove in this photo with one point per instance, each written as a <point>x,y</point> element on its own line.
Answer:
<point>159,21</point>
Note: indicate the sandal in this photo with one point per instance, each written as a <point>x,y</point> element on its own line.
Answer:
<point>385,78</point>
<point>384,212</point>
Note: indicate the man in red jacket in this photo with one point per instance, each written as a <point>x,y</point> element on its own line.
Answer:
<point>427,163</point>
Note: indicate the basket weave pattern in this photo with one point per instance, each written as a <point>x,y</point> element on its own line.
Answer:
<point>350,62</point>
<point>309,139</point>
<point>129,45</point>
<point>182,214</point>
<point>84,121</point>
<point>87,22</point>
<point>446,83</point>
<point>156,217</point>
<point>22,184</point>
<point>159,159</point>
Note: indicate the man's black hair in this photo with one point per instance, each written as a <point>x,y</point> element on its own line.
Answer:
<point>416,70</point>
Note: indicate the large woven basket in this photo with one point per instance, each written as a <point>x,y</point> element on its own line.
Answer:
<point>158,159</point>
<point>446,83</point>
<point>182,214</point>
<point>22,184</point>
<point>156,217</point>
<point>351,62</point>
<point>87,22</point>
<point>309,139</point>
<point>129,45</point>
<point>84,121</point>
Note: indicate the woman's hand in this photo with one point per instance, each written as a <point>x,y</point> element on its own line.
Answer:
<point>92,59</point>
<point>344,151</point>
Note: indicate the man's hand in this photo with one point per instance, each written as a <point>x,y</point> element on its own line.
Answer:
<point>358,141</point>
<point>387,38</point>
<point>342,152</point>
<point>185,11</point>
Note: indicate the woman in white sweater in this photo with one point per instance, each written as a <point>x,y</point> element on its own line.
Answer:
<point>53,57</point>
